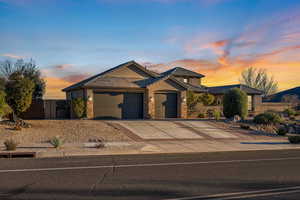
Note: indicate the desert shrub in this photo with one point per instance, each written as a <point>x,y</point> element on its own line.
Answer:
<point>235,102</point>
<point>289,112</point>
<point>217,114</point>
<point>201,115</point>
<point>294,139</point>
<point>10,145</point>
<point>210,113</point>
<point>56,142</point>
<point>282,131</point>
<point>267,118</point>
<point>267,128</point>
<point>78,106</point>
<point>244,126</point>
<point>207,99</point>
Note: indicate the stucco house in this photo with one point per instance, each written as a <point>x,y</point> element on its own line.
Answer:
<point>131,91</point>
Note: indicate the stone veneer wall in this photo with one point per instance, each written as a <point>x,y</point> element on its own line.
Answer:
<point>89,104</point>
<point>277,107</point>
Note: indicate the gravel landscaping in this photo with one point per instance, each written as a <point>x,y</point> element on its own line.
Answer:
<point>71,131</point>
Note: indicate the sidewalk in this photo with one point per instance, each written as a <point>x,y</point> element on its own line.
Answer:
<point>154,147</point>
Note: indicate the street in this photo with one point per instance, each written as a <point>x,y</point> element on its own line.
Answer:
<point>248,175</point>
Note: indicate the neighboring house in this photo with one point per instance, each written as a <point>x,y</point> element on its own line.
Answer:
<point>130,91</point>
<point>293,94</point>
<point>254,95</point>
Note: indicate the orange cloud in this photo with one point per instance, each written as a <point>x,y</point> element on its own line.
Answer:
<point>54,86</point>
<point>61,76</point>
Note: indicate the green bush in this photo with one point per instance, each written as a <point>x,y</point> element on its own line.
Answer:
<point>294,139</point>
<point>207,99</point>
<point>267,118</point>
<point>235,102</point>
<point>290,112</point>
<point>56,142</point>
<point>78,106</point>
<point>282,131</point>
<point>201,115</point>
<point>10,145</point>
<point>217,114</point>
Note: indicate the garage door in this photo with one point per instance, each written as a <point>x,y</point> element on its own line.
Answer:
<point>166,105</point>
<point>118,105</point>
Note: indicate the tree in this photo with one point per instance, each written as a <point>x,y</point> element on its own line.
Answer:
<point>4,107</point>
<point>192,100</point>
<point>19,92</point>
<point>207,99</point>
<point>259,79</point>
<point>235,102</point>
<point>29,70</point>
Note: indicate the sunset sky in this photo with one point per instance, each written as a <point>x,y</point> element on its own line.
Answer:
<point>72,39</point>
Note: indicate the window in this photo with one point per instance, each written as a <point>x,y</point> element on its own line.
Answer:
<point>250,105</point>
<point>185,80</point>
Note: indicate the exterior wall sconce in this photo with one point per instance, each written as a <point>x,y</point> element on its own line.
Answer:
<point>90,98</point>
<point>183,99</point>
<point>151,99</point>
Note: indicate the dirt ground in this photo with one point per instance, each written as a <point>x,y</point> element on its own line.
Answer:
<point>71,131</point>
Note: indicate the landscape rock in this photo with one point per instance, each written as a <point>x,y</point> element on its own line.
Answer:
<point>236,118</point>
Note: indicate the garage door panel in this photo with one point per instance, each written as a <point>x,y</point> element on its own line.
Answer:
<point>132,107</point>
<point>165,105</point>
<point>118,105</point>
<point>108,105</point>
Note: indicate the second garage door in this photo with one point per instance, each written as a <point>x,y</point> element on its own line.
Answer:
<point>118,105</point>
<point>165,105</point>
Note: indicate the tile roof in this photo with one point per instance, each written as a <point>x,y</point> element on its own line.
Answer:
<point>179,71</point>
<point>278,96</point>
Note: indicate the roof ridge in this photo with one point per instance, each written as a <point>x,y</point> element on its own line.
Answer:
<point>92,78</point>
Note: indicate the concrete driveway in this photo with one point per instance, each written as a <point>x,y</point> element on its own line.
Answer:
<point>174,129</point>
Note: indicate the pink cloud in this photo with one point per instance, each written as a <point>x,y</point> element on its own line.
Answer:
<point>13,56</point>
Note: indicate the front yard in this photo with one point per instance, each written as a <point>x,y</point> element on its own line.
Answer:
<point>71,131</point>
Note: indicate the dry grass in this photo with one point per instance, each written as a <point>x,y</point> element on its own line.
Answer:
<point>71,131</point>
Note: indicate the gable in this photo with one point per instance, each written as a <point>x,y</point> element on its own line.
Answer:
<point>130,71</point>
<point>166,84</point>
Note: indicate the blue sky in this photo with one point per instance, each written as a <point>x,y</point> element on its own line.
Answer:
<point>70,39</point>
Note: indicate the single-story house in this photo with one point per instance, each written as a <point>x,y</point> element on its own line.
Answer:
<point>131,91</point>
<point>254,95</point>
<point>290,95</point>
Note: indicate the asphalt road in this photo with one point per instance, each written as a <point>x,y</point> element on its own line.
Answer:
<point>259,175</point>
